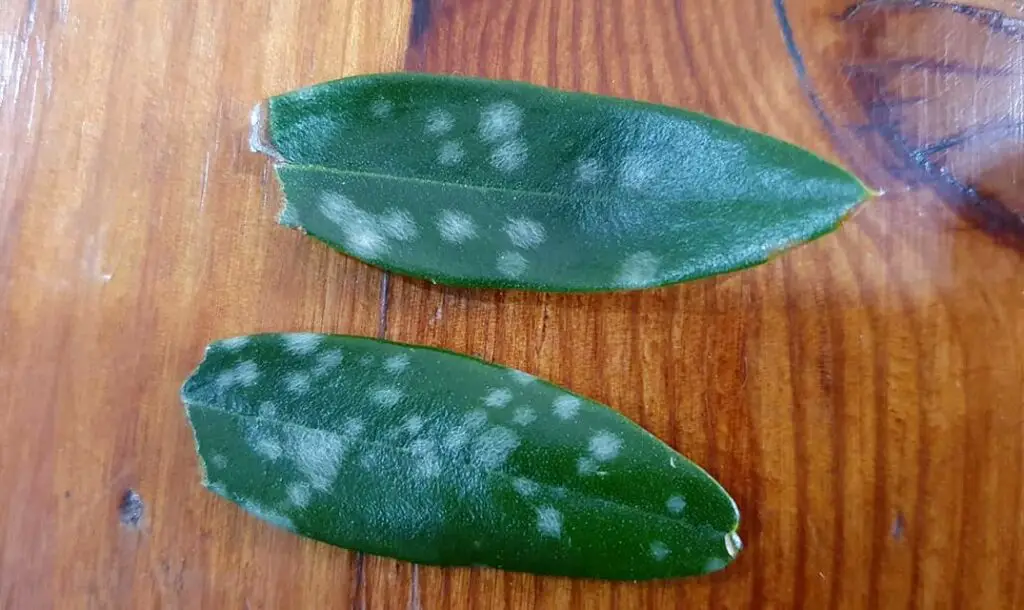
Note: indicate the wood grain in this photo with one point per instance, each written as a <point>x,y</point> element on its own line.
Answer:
<point>862,397</point>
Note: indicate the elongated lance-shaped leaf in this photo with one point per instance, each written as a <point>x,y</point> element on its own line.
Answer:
<point>485,183</point>
<point>437,458</point>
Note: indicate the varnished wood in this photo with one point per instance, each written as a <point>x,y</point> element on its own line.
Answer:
<point>862,397</point>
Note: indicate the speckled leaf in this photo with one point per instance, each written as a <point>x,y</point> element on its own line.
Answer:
<point>437,458</point>
<point>473,182</point>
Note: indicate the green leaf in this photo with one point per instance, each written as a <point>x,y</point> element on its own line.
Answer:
<point>436,458</point>
<point>482,183</point>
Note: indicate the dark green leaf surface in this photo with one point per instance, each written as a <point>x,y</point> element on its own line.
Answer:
<point>473,182</point>
<point>437,458</point>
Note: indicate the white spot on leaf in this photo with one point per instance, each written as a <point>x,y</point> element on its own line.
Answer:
<point>397,363</point>
<point>413,424</point>
<point>455,227</point>
<point>549,522</point>
<point>525,487</point>
<point>525,232</point>
<point>360,231</point>
<point>498,398</point>
<point>450,153</point>
<point>511,264</point>
<point>327,362</point>
<point>439,122</point>
<point>235,343</point>
<point>219,461</point>
<point>398,224</point>
<point>588,171</point>
<point>297,382</point>
<point>660,551</point>
<point>586,466</point>
<point>475,419</point>
<point>316,453</point>
<point>492,448</point>
<point>299,494</point>
<point>382,108</point>
<point>524,416</point>
<point>500,121</point>
<point>522,377</point>
<point>387,397</point>
<point>428,464</point>
<point>509,156</point>
<point>244,374</point>
<point>267,409</point>
<point>300,344</point>
<point>640,269</point>
<point>268,447</point>
<point>605,446</point>
<point>676,505</point>
<point>566,407</point>
<point>456,439</point>
<point>638,170</point>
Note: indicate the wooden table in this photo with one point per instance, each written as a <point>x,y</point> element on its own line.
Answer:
<point>862,397</point>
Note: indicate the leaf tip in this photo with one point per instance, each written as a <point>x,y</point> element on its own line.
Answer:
<point>259,133</point>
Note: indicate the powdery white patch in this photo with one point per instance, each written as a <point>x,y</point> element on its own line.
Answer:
<point>493,447</point>
<point>638,170</point>
<point>371,460</point>
<point>219,461</point>
<point>475,419</point>
<point>525,487</point>
<point>300,344</point>
<point>327,362</point>
<point>382,108</point>
<point>387,397</point>
<point>510,156</point>
<point>605,446</point>
<point>397,363</point>
<point>289,216</point>
<point>413,424</point>
<point>428,464</point>
<point>270,516</point>
<point>456,439</point>
<point>242,374</point>
<point>524,416</point>
<point>234,343</point>
<point>500,121</point>
<point>639,269</point>
<point>316,453</point>
<point>588,171</point>
<point>398,224</point>
<point>676,505</point>
<point>511,264</point>
<point>361,232</point>
<point>455,227</point>
<point>733,544</point>
<point>297,382</point>
<point>525,232</point>
<point>439,122</point>
<point>451,152</point>
<point>586,466</point>
<point>268,448</point>
<point>352,427</point>
<point>522,377</point>
<point>267,409</point>
<point>549,522</point>
<point>498,398</point>
<point>660,550</point>
<point>566,407</point>
<point>299,494</point>
<point>366,360</point>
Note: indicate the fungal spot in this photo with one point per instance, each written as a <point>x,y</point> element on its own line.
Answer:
<point>522,378</point>
<point>244,374</point>
<point>498,398</point>
<point>660,551</point>
<point>492,448</point>
<point>525,487</point>
<point>267,409</point>
<point>353,427</point>
<point>588,171</point>
<point>262,440</point>
<point>456,439</point>
<point>413,424</point>
<point>131,508</point>
<point>524,416</point>
<point>525,233</point>
<point>605,446</point>
<point>299,494</point>
<point>297,382</point>
<point>270,516</point>
<point>327,362</point>
<point>733,544</point>
<point>637,171</point>
<point>439,122</point>
<point>455,227</point>
<point>300,344</point>
<point>676,505</point>
<point>500,121</point>
<point>638,270</point>
<point>382,108</point>
<point>450,153</point>
<point>398,224</point>
<point>475,419</point>
<point>360,231</point>
<point>428,465</point>
<point>509,156</point>
<point>714,564</point>
<point>387,397</point>
<point>219,461</point>
<point>234,343</point>
<point>317,454</point>
<point>549,522</point>
<point>566,407</point>
<point>586,466</point>
<point>366,360</point>
<point>396,363</point>
<point>511,264</point>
